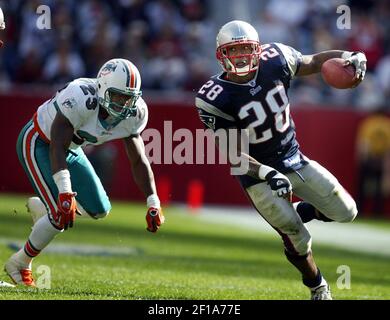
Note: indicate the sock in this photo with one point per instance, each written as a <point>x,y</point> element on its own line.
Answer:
<point>41,235</point>
<point>307,212</point>
<point>323,283</point>
<point>316,282</point>
<point>23,259</point>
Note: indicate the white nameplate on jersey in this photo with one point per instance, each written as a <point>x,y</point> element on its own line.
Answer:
<point>292,161</point>
<point>254,91</point>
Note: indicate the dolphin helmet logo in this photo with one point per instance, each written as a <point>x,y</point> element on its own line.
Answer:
<point>109,67</point>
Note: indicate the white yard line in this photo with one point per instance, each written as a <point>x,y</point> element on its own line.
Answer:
<point>355,237</point>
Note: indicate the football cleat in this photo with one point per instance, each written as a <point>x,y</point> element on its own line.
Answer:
<point>18,273</point>
<point>321,293</point>
<point>36,208</point>
<point>4,284</point>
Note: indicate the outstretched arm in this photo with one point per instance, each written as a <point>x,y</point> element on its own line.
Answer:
<point>144,178</point>
<point>140,166</point>
<point>312,63</point>
<point>60,140</point>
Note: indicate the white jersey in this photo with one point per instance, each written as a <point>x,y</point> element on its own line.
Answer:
<point>78,102</point>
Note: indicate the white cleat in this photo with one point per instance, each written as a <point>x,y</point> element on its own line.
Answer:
<point>4,284</point>
<point>19,274</point>
<point>321,293</point>
<point>36,208</point>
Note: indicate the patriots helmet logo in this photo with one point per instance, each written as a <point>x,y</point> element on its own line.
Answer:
<point>209,121</point>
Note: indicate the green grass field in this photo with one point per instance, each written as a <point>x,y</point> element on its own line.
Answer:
<point>187,259</point>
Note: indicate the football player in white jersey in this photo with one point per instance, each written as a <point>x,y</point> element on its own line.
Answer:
<point>251,94</point>
<point>85,111</point>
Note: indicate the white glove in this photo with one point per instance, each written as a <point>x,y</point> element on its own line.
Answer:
<point>358,60</point>
<point>279,183</point>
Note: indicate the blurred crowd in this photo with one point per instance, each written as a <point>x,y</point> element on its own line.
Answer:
<point>173,41</point>
<point>163,38</point>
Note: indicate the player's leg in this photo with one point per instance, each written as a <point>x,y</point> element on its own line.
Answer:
<point>33,154</point>
<point>323,195</point>
<point>92,199</point>
<point>281,215</point>
<point>36,208</point>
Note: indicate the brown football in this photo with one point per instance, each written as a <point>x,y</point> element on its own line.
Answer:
<point>337,75</point>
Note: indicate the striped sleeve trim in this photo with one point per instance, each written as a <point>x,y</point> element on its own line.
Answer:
<point>201,104</point>
<point>292,56</point>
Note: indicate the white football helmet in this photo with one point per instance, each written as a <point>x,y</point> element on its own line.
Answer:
<point>2,23</point>
<point>119,76</point>
<point>234,33</point>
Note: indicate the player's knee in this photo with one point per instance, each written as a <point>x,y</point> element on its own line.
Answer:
<point>100,215</point>
<point>349,214</point>
<point>100,210</point>
<point>347,210</point>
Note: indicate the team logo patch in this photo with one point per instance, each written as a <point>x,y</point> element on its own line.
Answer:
<point>109,67</point>
<point>209,121</point>
<point>69,103</point>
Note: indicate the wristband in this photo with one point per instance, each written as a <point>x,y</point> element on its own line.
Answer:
<point>62,180</point>
<point>264,170</point>
<point>346,55</point>
<point>153,201</point>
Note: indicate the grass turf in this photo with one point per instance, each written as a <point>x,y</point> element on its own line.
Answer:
<point>187,259</point>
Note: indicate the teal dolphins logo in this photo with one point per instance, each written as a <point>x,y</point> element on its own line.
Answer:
<point>108,67</point>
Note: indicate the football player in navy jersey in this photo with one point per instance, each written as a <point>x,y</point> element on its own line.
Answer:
<point>251,93</point>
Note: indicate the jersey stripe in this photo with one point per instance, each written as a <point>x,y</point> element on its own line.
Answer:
<point>36,125</point>
<point>29,140</point>
<point>201,104</point>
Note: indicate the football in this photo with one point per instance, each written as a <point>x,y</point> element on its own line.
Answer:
<point>337,75</point>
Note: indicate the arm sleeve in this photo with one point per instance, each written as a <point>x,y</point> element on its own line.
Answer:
<point>292,56</point>
<point>70,102</point>
<point>212,117</point>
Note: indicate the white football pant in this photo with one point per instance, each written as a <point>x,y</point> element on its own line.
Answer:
<point>319,188</point>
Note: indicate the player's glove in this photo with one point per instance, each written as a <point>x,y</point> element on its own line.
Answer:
<point>359,61</point>
<point>154,219</point>
<point>66,212</point>
<point>279,183</point>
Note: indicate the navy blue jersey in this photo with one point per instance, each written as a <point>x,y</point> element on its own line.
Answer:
<point>261,106</point>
